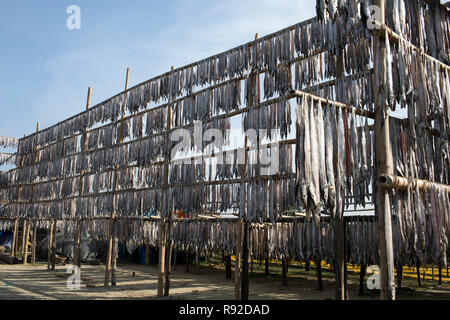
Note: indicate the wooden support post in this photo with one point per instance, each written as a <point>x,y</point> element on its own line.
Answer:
<point>109,252</point>
<point>168,242</point>
<point>161,258</point>
<point>228,267</point>
<point>84,147</point>
<point>432,272</point>
<point>399,275</point>
<point>50,245</point>
<point>319,275</point>
<point>245,227</point>
<point>283,272</point>
<point>418,274</point>
<point>14,243</point>
<point>27,239</point>
<point>338,221</point>
<point>27,230</point>
<point>362,274</point>
<point>266,240</point>
<point>197,260</point>
<point>237,270</point>
<point>54,246</point>
<point>24,229</point>
<point>174,254</point>
<point>245,278</point>
<point>33,243</point>
<point>187,260</point>
<point>307,265</point>
<point>147,255</point>
<point>112,253</point>
<point>440,273</point>
<point>115,256</point>
<point>168,260</point>
<point>384,162</point>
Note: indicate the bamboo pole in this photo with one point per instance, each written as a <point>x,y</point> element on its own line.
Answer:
<point>84,146</point>
<point>384,163</point>
<point>338,221</point>
<point>14,243</point>
<point>33,243</point>
<point>319,275</point>
<point>27,224</point>
<point>162,268</point>
<point>237,270</point>
<point>168,242</point>
<point>400,183</point>
<point>362,274</point>
<point>50,244</point>
<point>111,260</point>
<point>26,237</point>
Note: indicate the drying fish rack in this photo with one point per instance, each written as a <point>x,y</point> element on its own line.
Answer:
<point>96,174</point>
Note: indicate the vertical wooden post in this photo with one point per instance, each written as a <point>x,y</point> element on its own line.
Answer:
<point>253,99</point>
<point>440,273</point>
<point>362,274</point>
<point>228,267</point>
<point>84,147</point>
<point>266,241</point>
<point>50,245</point>
<point>245,278</point>
<point>33,243</point>
<point>165,227</point>
<point>111,261</point>
<point>14,243</point>
<point>174,254</point>
<point>26,236</point>
<point>384,163</point>
<point>418,274</point>
<point>283,271</point>
<point>237,270</point>
<point>187,260</point>
<point>338,221</point>
<point>399,275</point>
<point>319,274</point>
<point>147,255</point>
<point>27,230</point>
<point>54,245</point>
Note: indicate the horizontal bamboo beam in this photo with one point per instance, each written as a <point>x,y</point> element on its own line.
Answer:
<point>401,183</point>
<point>397,38</point>
<point>358,111</point>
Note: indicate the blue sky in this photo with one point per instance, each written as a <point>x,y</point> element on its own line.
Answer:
<point>46,68</point>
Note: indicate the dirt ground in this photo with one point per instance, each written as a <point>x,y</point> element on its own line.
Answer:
<point>21,282</point>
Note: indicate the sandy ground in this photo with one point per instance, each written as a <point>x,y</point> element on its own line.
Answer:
<point>35,282</point>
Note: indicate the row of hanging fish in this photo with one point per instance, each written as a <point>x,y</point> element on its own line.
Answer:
<point>274,52</point>
<point>344,20</point>
<point>125,203</point>
<point>333,158</point>
<point>421,225</point>
<point>276,116</point>
<point>7,158</point>
<point>204,236</point>
<point>425,25</point>
<point>356,91</point>
<point>8,142</point>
